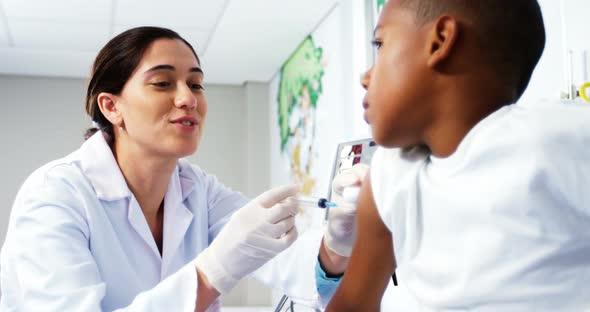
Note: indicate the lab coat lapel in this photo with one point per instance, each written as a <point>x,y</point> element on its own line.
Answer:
<point>139,224</point>
<point>177,218</point>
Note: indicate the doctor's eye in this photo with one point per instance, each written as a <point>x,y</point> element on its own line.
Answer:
<point>161,84</point>
<point>196,86</point>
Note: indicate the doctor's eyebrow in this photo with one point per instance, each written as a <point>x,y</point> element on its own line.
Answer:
<point>172,68</point>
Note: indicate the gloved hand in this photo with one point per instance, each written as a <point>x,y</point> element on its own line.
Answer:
<point>341,230</point>
<point>254,234</point>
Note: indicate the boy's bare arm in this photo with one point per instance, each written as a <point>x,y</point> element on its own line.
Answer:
<point>372,262</point>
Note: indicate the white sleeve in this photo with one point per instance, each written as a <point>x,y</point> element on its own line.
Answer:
<point>222,203</point>
<point>51,261</point>
<point>293,270</point>
<point>379,179</point>
<point>394,172</point>
<point>178,292</point>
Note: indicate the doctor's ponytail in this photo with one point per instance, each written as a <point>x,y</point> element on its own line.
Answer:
<point>113,66</point>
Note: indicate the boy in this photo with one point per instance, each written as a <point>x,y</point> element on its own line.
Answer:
<point>481,204</point>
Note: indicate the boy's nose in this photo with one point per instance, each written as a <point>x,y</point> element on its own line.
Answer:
<point>365,78</point>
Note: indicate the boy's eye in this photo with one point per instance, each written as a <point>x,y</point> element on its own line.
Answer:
<point>377,44</point>
<point>161,84</point>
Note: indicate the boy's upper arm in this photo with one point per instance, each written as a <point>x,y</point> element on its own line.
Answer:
<point>372,261</point>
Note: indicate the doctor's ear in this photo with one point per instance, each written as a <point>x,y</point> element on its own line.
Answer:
<point>107,103</point>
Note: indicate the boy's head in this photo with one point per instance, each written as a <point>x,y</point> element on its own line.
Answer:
<point>427,47</point>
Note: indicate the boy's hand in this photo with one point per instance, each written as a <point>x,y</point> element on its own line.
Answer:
<point>341,230</point>
<point>372,262</point>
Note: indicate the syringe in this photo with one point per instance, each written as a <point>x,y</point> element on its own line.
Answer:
<point>315,202</point>
<point>350,195</point>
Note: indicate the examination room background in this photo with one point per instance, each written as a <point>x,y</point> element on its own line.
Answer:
<point>43,118</point>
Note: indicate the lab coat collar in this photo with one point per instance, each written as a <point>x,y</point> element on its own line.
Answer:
<point>177,219</point>
<point>187,177</point>
<point>100,167</point>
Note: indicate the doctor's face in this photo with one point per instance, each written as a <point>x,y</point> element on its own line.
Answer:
<point>163,104</point>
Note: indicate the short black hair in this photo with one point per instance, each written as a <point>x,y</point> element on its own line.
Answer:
<point>510,32</point>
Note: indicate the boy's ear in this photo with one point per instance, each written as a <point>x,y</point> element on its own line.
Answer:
<point>107,103</point>
<point>442,39</point>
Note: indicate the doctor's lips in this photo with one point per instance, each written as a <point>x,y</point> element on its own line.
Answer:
<point>188,121</point>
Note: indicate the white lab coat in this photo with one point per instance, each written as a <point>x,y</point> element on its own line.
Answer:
<point>78,241</point>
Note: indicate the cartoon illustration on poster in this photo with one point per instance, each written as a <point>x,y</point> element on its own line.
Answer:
<point>300,88</point>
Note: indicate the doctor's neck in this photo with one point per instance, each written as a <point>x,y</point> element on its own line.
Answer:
<point>147,179</point>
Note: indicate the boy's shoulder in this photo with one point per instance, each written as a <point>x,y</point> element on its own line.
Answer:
<point>546,142</point>
<point>555,140</point>
<point>553,126</point>
<point>546,127</point>
<point>555,115</point>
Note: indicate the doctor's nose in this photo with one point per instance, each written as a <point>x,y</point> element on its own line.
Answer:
<point>185,98</point>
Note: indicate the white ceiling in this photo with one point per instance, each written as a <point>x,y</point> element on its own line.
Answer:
<point>237,40</point>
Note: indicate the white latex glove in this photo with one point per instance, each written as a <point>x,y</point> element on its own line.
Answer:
<point>254,234</point>
<point>341,230</point>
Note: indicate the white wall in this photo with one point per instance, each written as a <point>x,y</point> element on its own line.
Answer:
<point>40,120</point>
<point>547,82</point>
<point>224,138</point>
<point>252,157</point>
<point>258,147</point>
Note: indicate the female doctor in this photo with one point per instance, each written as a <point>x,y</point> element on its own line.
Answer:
<point>125,223</point>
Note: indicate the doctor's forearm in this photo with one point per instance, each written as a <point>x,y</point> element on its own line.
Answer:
<point>206,293</point>
<point>332,263</point>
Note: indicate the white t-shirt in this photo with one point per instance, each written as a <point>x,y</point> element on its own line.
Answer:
<point>503,224</point>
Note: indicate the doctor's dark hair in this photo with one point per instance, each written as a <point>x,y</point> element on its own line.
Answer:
<point>113,66</point>
<point>510,33</point>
